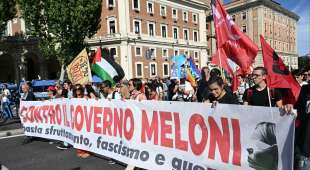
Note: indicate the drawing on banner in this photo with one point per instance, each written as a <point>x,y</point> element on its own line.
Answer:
<point>264,153</point>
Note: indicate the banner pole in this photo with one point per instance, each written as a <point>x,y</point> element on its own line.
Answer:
<point>269,99</point>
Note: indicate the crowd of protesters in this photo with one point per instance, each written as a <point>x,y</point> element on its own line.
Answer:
<point>211,88</point>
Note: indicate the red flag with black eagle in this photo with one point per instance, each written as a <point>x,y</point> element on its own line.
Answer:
<point>278,74</point>
<point>236,44</point>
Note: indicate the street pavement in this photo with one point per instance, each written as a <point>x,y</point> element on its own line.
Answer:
<point>10,125</point>
<point>40,155</point>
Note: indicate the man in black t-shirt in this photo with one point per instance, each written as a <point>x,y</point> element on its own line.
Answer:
<point>258,94</point>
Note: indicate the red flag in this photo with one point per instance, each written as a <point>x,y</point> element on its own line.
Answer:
<point>235,83</point>
<point>237,45</point>
<point>278,74</point>
<point>221,62</point>
<point>97,57</point>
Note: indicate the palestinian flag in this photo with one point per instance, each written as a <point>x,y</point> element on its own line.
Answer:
<point>106,68</point>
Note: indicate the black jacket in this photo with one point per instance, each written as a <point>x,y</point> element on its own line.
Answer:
<point>30,97</point>
<point>303,131</point>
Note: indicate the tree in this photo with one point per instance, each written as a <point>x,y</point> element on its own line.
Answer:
<point>61,25</point>
<point>7,12</point>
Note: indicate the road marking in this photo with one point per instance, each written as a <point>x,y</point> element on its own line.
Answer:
<point>13,136</point>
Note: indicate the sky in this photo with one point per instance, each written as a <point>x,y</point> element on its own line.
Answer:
<point>302,9</point>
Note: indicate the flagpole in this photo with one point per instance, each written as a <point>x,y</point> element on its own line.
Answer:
<point>222,73</point>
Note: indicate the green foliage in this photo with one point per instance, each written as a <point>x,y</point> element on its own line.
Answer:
<point>61,25</point>
<point>7,12</point>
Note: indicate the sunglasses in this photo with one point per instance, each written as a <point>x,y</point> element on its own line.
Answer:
<point>256,75</point>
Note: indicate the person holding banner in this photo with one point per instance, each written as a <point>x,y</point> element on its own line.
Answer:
<point>28,96</point>
<point>51,92</point>
<point>79,93</point>
<point>135,88</point>
<point>91,93</point>
<point>108,89</point>
<point>219,93</point>
<point>258,94</point>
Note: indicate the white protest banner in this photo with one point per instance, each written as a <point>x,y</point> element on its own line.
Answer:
<point>167,135</point>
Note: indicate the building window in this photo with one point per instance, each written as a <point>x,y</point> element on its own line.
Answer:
<point>163,11</point>
<point>151,29</point>
<point>137,26</point>
<point>175,33</point>
<point>244,28</point>
<point>176,52</point>
<point>113,52</point>
<point>165,69</point>
<point>185,16</point>
<point>138,51</point>
<point>195,18</point>
<point>164,31</point>
<point>139,70</point>
<point>186,53</point>
<point>151,53</point>
<point>185,34</point>
<point>234,18</point>
<point>150,7</point>
<point>136,4</point>
<point>153,69</point>
<point>195,36</point>
<point>244,15</point>
<point>275,45</point>
<point>196,55</point>
<point>174,13</point>
<point>165,53</point>
<point>111,3</point>
<point>112,27</point>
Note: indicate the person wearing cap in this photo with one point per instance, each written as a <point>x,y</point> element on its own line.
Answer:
<point>51,92</point>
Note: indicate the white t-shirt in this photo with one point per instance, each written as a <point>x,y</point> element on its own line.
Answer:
<point>116,96</point>
<point>5,99</point>
<point>7,92</point>
<point>188,86</point>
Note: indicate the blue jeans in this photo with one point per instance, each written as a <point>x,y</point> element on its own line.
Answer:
<point>304,163</point>
<point>7,110</point>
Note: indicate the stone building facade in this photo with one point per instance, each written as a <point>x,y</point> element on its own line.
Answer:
<point>263,17</point>
<point>142,35</point>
